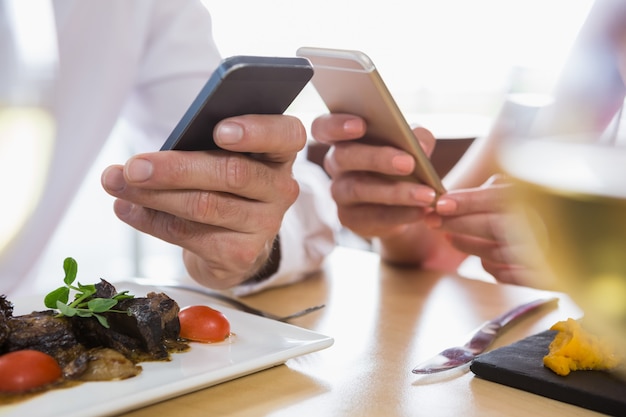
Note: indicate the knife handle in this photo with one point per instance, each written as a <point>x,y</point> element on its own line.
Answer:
<point>519,311</point>
<point>487,333</point>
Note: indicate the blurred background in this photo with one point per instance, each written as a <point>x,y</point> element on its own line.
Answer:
<point>435,55</point>
<point>449,60</point>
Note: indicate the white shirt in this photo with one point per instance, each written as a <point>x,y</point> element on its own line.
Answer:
<point>143,61</point>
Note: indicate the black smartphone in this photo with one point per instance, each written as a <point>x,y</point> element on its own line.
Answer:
<point>348,82</point>
<point>240,85</point>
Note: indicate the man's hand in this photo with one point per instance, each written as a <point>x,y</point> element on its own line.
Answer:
<point>223,208</point>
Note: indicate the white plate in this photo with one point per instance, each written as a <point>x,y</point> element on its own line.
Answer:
<point>258,344</point>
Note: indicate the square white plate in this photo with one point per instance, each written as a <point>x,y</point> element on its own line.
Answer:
<point>258,344</point>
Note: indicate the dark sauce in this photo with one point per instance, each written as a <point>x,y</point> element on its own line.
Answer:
<point>172,346</point>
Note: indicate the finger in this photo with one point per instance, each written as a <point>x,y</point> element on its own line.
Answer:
<point>517,274</point>
<point>205,171</point>
<point>228,255</point>
<point>491,226</point>
<point>495,252</point>
<point>218,209</point>
<point>189,234</point>
<point>426,139</point>
<point>510,274</point>
<point>354,156</point>
<point>260,203</point>
<point>277,135</point>
<point>333,128</point>
<point>359,188</point>
<point>474,200</point>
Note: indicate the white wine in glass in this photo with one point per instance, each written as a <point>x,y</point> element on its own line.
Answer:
<point>573,198</point>
<point>27,130</point>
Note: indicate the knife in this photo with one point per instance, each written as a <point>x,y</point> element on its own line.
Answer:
<point>480,340</point>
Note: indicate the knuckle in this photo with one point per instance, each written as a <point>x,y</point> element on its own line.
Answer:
<point>298,133</point>
<point>180,169</point>
<point>501,254</point>
<point>212,208</point>
<point>203,205</point>
<point>291,191</point>
<point>340,190</point>
<point>237,172</point>
<point>343,156</point>
<point>248,256</point>
<point>357,192</point>
<point>329,164</point>
<point>348,192</point>
<point>174,229</point>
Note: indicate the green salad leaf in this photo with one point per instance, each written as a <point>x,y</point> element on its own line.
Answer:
<point>84,303</point>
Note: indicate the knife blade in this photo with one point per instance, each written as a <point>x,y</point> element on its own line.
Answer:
<point>480,340</point>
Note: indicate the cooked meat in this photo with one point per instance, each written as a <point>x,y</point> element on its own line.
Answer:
<point>153,319</point>
<point>84,348</point>
<point>139,335</point>
<point>107,364</point>
<point>6,311</point>
<point>104,289</point>
<point>6,307</point>
<point>43,331</point>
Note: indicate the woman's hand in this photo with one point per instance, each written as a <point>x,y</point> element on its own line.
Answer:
<point>479,221</point>
<point>369,201</point>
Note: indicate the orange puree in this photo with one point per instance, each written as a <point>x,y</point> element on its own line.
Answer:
<point>574,349</point>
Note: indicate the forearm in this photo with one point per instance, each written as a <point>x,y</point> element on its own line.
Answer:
<point>591,88</point>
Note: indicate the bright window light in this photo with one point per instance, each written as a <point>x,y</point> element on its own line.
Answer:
<point>435,55</point>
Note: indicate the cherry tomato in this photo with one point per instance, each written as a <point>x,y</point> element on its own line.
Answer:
<point>25,370</point>
<point>203,324</point>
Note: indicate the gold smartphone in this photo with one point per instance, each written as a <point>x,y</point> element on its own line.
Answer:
<point>348,82</point>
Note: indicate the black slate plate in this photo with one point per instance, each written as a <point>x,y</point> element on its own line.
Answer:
<point>520,365</point>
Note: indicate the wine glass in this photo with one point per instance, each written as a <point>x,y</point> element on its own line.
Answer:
<point>571,193</point>
<point>29,56</point>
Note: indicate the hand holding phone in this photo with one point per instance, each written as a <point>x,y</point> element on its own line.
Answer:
<point>240,85</point>
<point>348,82</point>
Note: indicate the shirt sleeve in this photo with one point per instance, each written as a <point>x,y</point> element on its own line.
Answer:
<point>308,232</point>
<point>179,56</point>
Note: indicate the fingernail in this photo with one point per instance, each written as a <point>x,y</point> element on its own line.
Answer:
<point>228,133</point>
<point>404,164</point>
<point>138,169</point>
<point>424,195</point>
<point>122,208</point>
<point>113,179</point>
<point>446,206</point>
<point>353,126</point>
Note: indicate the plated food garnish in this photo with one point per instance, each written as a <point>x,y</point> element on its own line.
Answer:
<point>90,333</point>
<point>575,349</point>
<point>89,301</point>
<point>25,370</point>
<point>203,324</point>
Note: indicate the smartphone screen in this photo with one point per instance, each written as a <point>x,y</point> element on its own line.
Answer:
<point>348,82</point>
<point>240,85</point>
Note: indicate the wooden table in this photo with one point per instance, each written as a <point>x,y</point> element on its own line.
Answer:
<point>384,320</point>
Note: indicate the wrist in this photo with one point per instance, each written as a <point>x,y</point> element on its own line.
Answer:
<point>270,267</point>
